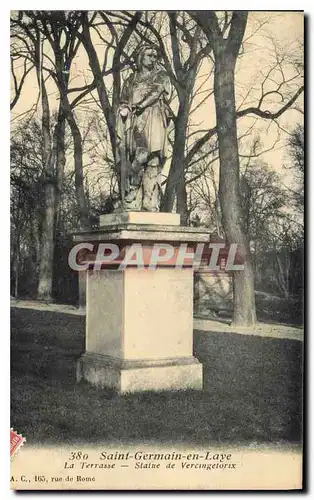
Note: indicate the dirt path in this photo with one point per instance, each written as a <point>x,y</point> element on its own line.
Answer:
<point>272,330</point>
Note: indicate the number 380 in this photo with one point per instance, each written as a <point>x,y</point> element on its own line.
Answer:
<point>78,455</point>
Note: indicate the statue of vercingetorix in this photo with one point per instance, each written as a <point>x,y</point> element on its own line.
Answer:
<point>142,122</point>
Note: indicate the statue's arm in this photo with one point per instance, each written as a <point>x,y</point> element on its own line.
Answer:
<point>152,98</point>
<point>161,86</point>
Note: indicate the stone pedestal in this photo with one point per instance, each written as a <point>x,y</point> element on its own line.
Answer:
<point>139,322</point>
<point>82,290</point>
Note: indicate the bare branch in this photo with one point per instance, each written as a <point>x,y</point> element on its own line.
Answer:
<point>267,114</point>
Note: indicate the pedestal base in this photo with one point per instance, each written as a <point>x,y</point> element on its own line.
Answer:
<point>128,376</point>
<point>139,319</point>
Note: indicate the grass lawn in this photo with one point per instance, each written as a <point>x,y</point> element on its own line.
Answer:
<point>252,391</point>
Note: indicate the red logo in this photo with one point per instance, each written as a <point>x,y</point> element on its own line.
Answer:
<point>16,441</point>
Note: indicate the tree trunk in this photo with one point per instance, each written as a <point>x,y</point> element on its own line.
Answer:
<point>182,201</point>
<point>282,274</point>
<point>60,160</point>
<point>79,175</point>
<point>229,187</point>
<point>176,187</point>
<point>35,241</point>
<point>97,73</point>
<point>16,261</point>
<point>78,159</point>
<point>47,245</point>
<point>185,77</point>
<point>66,112</point>
<point>47,236</point>
<point>169,196</point>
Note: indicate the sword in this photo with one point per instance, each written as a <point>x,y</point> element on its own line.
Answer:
<point>124,167</point>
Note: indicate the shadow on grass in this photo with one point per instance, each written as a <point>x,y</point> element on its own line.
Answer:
<point>252,391</point>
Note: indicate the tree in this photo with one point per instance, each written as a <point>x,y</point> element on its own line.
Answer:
<point>27,203</point>
<point>226,51</point>
<point>32,33</point>
<point>28,207</point>
<point>263,198</point>
<point>60,29</point>
<point>18,75</point>
<point>33,28</point>
<point>187,43</point>
<point>295,144</point>
<point>186,57</point>
<point>226,39</point>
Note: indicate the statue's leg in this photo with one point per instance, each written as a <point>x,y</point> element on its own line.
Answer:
<point>152,185</point>
<point>133,199</point>
<point>134,188</point>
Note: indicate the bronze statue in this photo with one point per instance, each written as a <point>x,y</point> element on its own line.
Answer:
<point>142,122</point>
